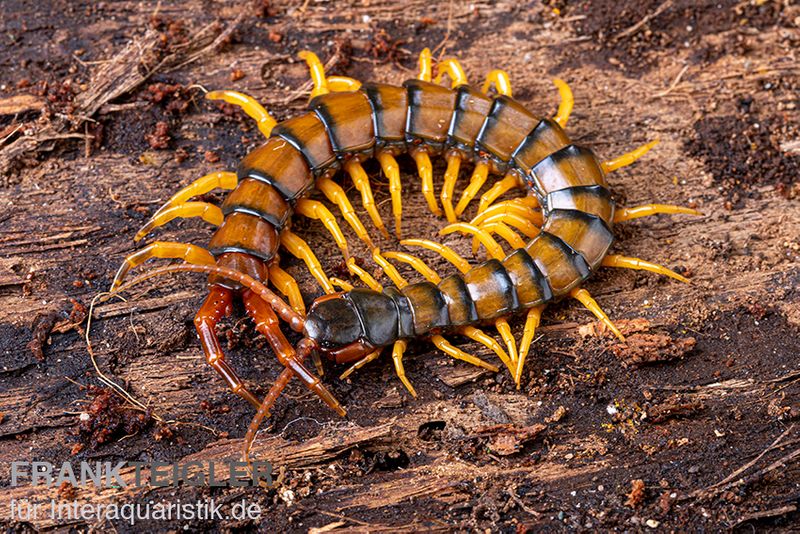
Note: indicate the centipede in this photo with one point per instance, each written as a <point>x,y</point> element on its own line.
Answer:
<point>559,230</point>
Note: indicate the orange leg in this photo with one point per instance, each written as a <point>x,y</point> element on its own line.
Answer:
<point>267,324</point>
<point>216,306</point>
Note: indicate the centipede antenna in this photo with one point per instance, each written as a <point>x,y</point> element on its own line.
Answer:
<point>165,250</point>
<point>531,324</point>
<point>627,158</point>
<point>586,299</point>
<point>627,214</point>
<point>479,175</point>
<point>625,262</point>
<point>566,103</point>
<point>208,212</point>
<point>250,106</point>
<point>294,319</point>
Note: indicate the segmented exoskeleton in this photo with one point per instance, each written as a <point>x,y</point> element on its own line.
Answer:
<point>567,218</point>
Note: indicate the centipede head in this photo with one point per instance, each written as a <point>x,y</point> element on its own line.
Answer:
<point>333,322</point>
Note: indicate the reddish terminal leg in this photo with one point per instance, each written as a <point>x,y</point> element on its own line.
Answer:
<point>268,325</point>
<point>216,306</point>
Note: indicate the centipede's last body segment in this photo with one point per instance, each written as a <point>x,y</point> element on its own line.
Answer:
<point>566,216</point>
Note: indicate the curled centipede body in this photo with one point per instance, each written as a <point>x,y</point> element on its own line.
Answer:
<point>566,216</point>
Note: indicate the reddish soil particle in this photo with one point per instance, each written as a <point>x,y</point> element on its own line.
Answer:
<point>109,418</point>
<point>648,348</point>
<point>637,494</point>
<point>160,137</point>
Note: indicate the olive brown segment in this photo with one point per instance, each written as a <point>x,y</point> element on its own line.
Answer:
<point>428,307</point>
<point>242,232</point>
<point>585,233</point>
<point>278,163</point>
<point>571,166</point>
<point>260,199</point>
<point>430,111</point>
<point>492,290</point>
<point>348,117</point>
<point>460,305</point>
<point>405,321</point>
<point>471,110</point>
<point>546,138</point>
<point>389,106</point>
<point>532,286</point>
<point>564,268</point>
<point>308,134</point>
<point>378,315</point>
<point>505,128</point>
<point>593,199</point>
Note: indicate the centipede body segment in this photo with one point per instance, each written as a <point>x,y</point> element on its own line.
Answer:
<point>559,230</point>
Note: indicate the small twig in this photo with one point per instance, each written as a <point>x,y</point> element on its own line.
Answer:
<point>647,18</point>
<point>674,83</point>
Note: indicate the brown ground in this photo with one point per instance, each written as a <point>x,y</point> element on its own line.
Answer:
<point>685,442</point>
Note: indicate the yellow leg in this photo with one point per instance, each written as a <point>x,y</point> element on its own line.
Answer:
<point>566,103</point>
<point>392,172</point>
<point>316,210</point>
<point>586,299</point>
<point>444,251</point>
<point>499,228</point>
<point>479,176</point>
<point>287,285</point>
<point>452,68</point>
<point>201,186</point>
<point>341,284</point>
<point>420,266</point>
<point>627,214</point>
<point>361,181</point>
<point>340,84</point>
<point>531,324</point>
<point>425,65</point>
<point>487,341</point>
<point>517,221</point>
<point>509,182</point>
<point>163,249</point>
<point>425,170</point>
<point>625,262</point>
<point>317,71</point>
<point>508,337</point>
<point>389,269</point>
<point>250,106</point>
<point>494,249</point>
<point>517,212</point>
<point>397,357</point>
<point>454,352</point>
<point>501,81</point>
<point>334,193</point>
<point>628,158</point>
<point>208,212</point>
<point>300,249</point>
<point>450,178</point>
<point>360,363</point>
<point>365,277</point>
